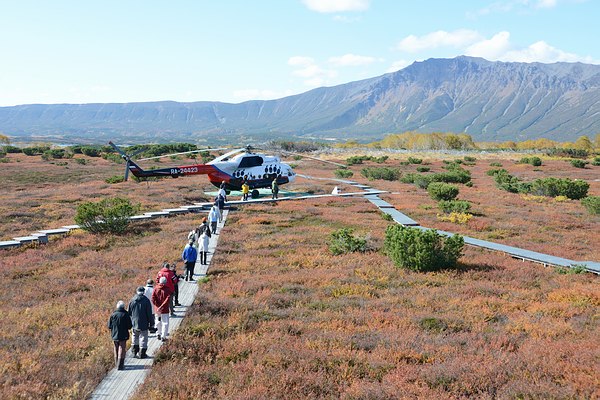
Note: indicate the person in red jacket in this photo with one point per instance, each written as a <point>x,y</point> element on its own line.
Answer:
<point>167,273</point>
<point>160,299</point>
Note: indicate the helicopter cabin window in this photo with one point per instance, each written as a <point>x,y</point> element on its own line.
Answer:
<point>250,161</point>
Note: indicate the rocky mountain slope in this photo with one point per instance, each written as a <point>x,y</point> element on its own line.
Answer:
<point>488,100</point>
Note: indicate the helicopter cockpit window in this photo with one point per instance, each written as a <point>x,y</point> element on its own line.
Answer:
<point>251,161</point>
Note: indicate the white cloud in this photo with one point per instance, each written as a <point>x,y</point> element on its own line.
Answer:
<point>497,48</point>
<point>351,60</point>
<point>543,52</point>
<point>490,49</point>
<point>313,74</point>
<point>333,6</point>
<point>398,65</point>
<point>459,39</point>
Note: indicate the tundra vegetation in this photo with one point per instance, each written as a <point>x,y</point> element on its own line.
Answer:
<point>280,316</point>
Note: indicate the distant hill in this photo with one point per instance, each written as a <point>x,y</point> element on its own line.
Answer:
<point>488,100</point>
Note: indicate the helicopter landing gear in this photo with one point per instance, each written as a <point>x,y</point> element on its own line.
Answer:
<point>254,194</point>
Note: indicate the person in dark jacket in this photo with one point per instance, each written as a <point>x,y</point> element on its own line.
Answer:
<point>220,203</point>
<point>119,325</point>
<point>140,310</point>
<point>160,300</point>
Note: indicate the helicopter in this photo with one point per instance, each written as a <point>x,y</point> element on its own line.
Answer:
<point>231,169</point>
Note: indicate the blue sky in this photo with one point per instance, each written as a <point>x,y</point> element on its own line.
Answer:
<point>74,51</point>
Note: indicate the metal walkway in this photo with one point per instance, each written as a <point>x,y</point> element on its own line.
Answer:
<point>523,254</point>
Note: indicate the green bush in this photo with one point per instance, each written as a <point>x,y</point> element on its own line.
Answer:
<point>410,177</point>
<point>578,163</point>
<point>596,161</point>
<point>387,217</point>
<point>422,181</point>
<point>459,206</point>
<point>508,182</point>
<point>495,164</point>
<point>552,187</point>
<point>90,151</point>
<point>575,153</point>
<point>356,160</point>
<point>469,159</point>
<point>110,215</point>
<point>385,173</point>
<point>81,161</point>
<point>343,173</point>
<point>423,169</point>
<point>12,149</point>
<point>455,174</point>
<point>421,250</point>
<point>35,150</point>
<point>442,191</point>
<point>592,203</point>
<point>115,179</point>
<point>414,160</point>
<point>535,161</point>
<point>343,241</point>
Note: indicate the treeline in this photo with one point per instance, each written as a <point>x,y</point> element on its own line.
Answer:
<point>104,151</point>
<point>582,147</point>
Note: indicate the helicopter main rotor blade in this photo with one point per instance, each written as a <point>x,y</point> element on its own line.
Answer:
<point>178,154</point>
<point>126,170</point>
<point>314,158</point>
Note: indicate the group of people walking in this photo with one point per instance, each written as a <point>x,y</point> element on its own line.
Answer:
<point>152,305</point>
<point>148,312</point>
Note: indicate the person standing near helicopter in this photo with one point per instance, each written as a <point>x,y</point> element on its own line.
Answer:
<point>220,203</point>
<point>245,191</point>
<point>275,188</point>
<point>222,191</point>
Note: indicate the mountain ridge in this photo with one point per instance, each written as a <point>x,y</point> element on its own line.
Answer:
<point>489,100</point>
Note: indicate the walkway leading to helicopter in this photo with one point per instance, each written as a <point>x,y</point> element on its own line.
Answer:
<point>121,385</point>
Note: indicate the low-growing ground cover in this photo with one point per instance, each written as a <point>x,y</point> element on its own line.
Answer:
<point>280,317</point>
<point>37,194</point>
<point>58,299</point>
<point>452,333</point>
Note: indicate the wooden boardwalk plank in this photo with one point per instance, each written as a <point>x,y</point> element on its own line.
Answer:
<point>121,385</point>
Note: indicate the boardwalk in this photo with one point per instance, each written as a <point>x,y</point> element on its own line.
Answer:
<point>120,385</point>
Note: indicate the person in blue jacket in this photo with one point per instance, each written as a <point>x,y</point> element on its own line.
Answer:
<point>189,256</point>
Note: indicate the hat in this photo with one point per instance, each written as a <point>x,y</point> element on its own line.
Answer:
<point>140,289</point>
<point>162,280</point>
<point>150,282</point>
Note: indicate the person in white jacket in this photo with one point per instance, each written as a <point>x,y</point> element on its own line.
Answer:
<point>148,293</point>
<point>213,218</point>
<point>204,230</point>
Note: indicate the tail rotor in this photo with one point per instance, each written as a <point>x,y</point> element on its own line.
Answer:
<point>126,157</point>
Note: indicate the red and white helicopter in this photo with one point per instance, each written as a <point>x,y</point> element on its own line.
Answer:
<point>233,168</point>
